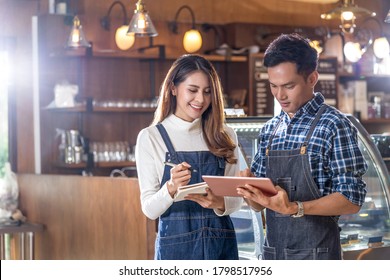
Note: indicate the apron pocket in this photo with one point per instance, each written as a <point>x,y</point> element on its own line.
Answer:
<point>306,254</point>
<point>269,253</point>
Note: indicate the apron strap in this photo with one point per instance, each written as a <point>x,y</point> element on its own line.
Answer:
<point>168,143</point>
<point>308,136</point>
<point>272,137</point>
<point>312,127</point>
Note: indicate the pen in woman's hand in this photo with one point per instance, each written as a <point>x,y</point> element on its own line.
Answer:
<point>173,165</point>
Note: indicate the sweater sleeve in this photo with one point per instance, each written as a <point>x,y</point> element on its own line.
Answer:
<point>154,200</point>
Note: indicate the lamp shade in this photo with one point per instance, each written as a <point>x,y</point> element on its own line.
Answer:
<point>347,12</point>
<point>192,41</point>
<point>347,6</point>
<point>381,47</point>
<point>124,40</point>
<point>76,37</point>
<point>141,24</point>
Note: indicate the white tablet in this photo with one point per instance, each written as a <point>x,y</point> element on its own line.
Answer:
<point>227,186</point>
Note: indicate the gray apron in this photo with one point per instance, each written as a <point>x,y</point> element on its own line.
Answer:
<point>309,237</point>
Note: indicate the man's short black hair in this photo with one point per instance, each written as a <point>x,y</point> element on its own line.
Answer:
<point>295,49</point>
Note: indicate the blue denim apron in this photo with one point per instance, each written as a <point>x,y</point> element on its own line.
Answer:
<point>309,237</point>
<point>187,231</point>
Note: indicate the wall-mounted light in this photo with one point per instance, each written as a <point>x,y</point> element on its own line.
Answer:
<point>123,40</point>
<point>347,12</point>
<point>357,45</point>
<point>141,25</point>
<point>76,37</point>
<point>192,40</point>
<point>353,51</point>
<point>381,47</point>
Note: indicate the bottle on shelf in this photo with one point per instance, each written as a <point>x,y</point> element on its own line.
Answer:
<point>377,107</point>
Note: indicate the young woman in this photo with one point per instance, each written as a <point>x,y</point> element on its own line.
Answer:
<point>189,131</point>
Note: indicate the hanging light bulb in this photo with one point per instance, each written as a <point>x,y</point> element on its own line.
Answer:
<point>347,22</point>
<point>76,37</point>
<point>141,25</point>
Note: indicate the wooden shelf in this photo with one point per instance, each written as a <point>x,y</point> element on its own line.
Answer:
<point>83,109</point>
<point>105,164</point>
<point>124,109</point>
<point>137,55</point>
<point>115,163</point>
<point>71,165</point>
<point>376,121</point>
<point>75,109</point>
<point>361,76</point>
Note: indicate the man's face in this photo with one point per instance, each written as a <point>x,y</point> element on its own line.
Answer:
<point>289,88</point>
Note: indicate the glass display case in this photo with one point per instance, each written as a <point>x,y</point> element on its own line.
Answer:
<point>365,235</point>
<point>249,224</point>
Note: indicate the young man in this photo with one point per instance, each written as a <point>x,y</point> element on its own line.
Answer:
<point>310,151</point>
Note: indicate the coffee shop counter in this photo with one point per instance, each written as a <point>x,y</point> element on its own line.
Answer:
<point>86,217</point>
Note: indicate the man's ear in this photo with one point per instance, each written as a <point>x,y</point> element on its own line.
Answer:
<point>313,78</point>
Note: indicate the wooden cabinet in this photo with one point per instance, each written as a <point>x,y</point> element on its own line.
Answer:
<point>116,97</point>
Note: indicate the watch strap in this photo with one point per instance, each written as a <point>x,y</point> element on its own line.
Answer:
<point>300,212</point>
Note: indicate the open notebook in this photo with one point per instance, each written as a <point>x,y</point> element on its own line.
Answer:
<point>199,188</point>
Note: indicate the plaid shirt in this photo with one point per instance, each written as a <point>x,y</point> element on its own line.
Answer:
<point>337,164</point>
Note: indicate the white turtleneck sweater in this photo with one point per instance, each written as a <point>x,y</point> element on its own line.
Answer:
<point>150,156</point>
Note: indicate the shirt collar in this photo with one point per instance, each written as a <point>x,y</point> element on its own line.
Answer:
<point>310,108</point>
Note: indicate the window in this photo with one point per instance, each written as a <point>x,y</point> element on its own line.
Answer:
<point>4,131</point>
<point>7,106</point>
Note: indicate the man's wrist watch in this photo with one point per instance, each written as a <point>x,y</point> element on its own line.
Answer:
<point>300,212</point>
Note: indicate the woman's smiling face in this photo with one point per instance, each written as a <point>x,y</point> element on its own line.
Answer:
<point>193,96</point>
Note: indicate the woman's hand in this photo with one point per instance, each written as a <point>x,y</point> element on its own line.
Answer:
<point>208,200</point>
<point>180,176</point>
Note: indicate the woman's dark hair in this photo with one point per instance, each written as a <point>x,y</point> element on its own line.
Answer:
<point>218,140</point>
<point>295,49</point>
